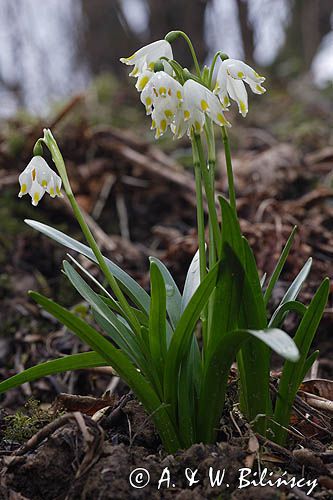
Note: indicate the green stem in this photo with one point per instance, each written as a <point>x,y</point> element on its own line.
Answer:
<point>209,131</point>
<point>231,185</point>
<point>201,231</point>
<point>209,193</point>
<point>212,67</point>
<point>60,164</point>
<point>194,56</point>
<point>200,220</point>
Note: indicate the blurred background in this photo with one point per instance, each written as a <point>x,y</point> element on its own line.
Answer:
<point>59,68</point>
<point>50,50</point>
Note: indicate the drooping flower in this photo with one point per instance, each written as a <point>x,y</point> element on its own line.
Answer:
<point>230,83</point>
<point>144,58</point>
<point>161,84</point>
<point>38,178</point>
<point>201,99</point>
<point>162,97</point>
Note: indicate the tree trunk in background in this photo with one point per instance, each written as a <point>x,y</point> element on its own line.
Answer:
<point>185,15</point>
<point>310,22</point>
<point>105,35</point>
<point>246,30</point>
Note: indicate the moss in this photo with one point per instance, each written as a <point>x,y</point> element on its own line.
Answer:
<point>25,423</point>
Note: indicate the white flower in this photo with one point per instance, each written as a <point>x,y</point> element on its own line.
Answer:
<point>198,99</point>
<point>185,124</point>
<point>162,97</point>
<point>230,83</point>
<point>38,178</point>
<point>161,85</point>
<point>144,58</point>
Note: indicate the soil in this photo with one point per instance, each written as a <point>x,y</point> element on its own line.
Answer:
<point>88,460</point>
<point>142,203</point>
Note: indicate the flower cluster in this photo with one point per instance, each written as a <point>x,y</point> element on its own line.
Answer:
<point>185,107</point>
<point>38,178</point>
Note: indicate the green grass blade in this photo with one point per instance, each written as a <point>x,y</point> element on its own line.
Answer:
<point>128,284</point>
<point>173,296</point>
<point>67,363</point>
<point>279,266</point>
<point>292,373</point>
<point>122,365</point>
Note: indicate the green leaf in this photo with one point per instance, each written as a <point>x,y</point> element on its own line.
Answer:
<point>217,368</point>
<point>192,281</point>
<point>120,334</point>
<point>157,319</point>
<point>292,373</point>
<point>254,356</point>
<point>173,296</point>
<point>279,266</point>
<point>115,306</point>
<point>231,231</point>
<point>122,365</point>
<point>295,287</point>
<point>189,388</point>
<point>182,337</point>
<point>308,365</point>
<point>67,363</point>
<point>128,284</point>
<point>280,313</point>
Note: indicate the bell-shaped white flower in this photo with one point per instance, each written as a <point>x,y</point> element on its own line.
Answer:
<point>184,123</point>
<point>200,98</point>
<point>144,58</point>
<point>163,114</point>
<point>160,85</point>
<point>230,83</point>
<point>143,79</point>
<point>38,178</point>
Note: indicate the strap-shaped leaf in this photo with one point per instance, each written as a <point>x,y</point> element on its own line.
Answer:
<point>120,334</point>
<point>189,390</point>
<point>128,284</point>
<point>295,287</point>
<point>281,311</point>
<point>173,296</point>
<point>192,281</point>
<point>292,373</point>
<point>182,337</point>
<point>308,365</point>
<point>279,266</point>
<point>67,363</point>
<point>157,319</point>
<point>217,368</point>
<point>121,364</point>
<point>231,231</point>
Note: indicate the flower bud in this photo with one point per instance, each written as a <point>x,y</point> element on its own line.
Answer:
<point>38,148</point>
<point>172,36</point>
